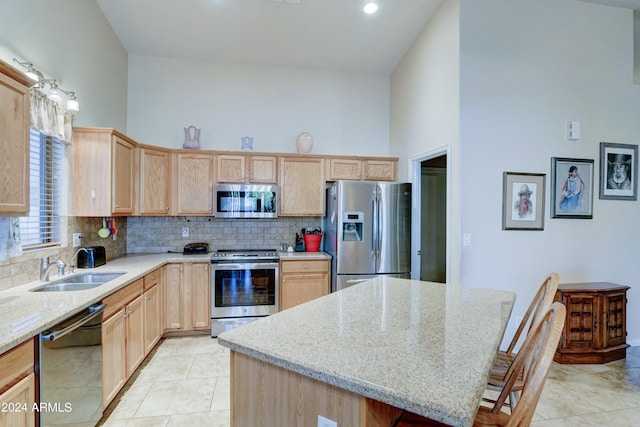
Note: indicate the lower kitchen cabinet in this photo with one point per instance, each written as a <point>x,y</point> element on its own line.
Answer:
<point>123,347</point>
<point>188,296</point>
<point>595,329</point>
<point>152,308</point>
<point>18,386</point>
<point>302,281</point>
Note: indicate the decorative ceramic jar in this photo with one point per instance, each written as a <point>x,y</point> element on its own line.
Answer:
<point>304,142</point>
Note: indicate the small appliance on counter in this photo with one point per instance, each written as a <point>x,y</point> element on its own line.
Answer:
<point>93,257</point>
<point>196,248</point>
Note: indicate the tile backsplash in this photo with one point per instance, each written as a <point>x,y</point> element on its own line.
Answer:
<point>26,267</point>
<point>158,235</point>
<point>164,234</point>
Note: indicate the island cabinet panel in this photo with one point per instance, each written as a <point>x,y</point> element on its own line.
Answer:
<point>155,176</point>
<point>595,326</point>
<point>266,396</point>
<point>302,186</point>
<point>192,191</point>
<point>17,386</point>
<point>14,140</point>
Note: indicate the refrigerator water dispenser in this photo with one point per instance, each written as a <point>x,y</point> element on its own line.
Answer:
<point>352,223</point>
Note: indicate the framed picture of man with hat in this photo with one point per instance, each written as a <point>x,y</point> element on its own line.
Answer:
<point>523,201</point>
<point>571,188</point>
<point>618,171</point>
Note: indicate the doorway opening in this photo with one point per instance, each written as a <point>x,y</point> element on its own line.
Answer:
<point>430,229</point>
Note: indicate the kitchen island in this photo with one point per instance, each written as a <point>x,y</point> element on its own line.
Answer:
<point>361,355</point>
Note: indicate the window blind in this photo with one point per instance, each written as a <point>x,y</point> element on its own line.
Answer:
<point>42,227</point>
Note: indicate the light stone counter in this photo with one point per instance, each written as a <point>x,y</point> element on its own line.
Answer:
<point>425,347</point>
<point>24,314</point>
<point>284,256</point>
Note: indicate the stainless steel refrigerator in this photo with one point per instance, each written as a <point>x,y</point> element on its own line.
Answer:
<point>368,231</point>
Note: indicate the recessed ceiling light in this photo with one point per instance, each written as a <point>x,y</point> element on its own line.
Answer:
<point>370,8</point>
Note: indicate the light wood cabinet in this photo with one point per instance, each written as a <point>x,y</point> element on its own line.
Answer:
<point>302,186</point>
<point>362,169</point>
<point>17,386</point>
<point>595,329</point>
<point>152,307</point>
<point>303,280</point>
<point>123,347</point>
<point>155,179</point>
<point>192,191</point>
<point>188,296</point>
<point>380,170</point>
<point>134,322</point>
<point>343,168</point>
<point>250,168</point>
<point>104,171</point>
<point>14,140</point>
<point>114,367</point>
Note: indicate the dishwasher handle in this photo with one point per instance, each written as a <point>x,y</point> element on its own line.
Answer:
<point>94,311</point>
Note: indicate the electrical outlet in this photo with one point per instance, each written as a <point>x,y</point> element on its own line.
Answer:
<point>77,239</point>
<point>185,231</point>
<point>326,422</point>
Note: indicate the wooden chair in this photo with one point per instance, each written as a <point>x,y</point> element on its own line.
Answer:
<point>540,303</point>
<point>534,359</point>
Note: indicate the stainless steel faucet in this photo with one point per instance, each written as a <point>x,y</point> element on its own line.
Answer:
<point>72,266</point>
<point>45,268</point>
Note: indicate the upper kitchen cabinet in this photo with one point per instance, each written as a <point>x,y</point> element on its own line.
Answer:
<point>192,183</point>
<point>104,168</point>
<point>250,168</point>
<point>155,177</point>
<point>14,140</point>
<point>380,169</point>
<point>362,169</point>
<point>302,186</point>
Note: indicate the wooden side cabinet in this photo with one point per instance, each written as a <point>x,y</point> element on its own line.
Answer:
<point>17,386</point>
<point>595,328</point>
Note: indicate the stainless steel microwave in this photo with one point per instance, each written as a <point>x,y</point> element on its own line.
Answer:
<point>246,200</point>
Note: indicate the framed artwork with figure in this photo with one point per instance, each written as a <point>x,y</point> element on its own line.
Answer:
<point>571,188</point>
<point>523,201</point>
<point>618,171</point>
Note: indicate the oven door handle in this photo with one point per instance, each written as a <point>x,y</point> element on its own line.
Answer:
<point>242,265</point>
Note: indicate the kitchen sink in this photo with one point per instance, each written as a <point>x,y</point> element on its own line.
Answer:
<point>78,282</point>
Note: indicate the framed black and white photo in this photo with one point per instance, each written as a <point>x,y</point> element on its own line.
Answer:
<point>571,188</point>
<point>523,201</point>
<point>618,171</point>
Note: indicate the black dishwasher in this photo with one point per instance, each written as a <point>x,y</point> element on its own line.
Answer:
<point>70,370</point>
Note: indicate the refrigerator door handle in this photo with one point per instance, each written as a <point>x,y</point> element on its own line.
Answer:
<point>378,228</point>
<point>374,229</point>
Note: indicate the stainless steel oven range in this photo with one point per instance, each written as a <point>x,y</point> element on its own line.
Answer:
<point>244,287</point>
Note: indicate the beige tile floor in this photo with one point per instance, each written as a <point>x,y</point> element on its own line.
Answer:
<point>186,383</point>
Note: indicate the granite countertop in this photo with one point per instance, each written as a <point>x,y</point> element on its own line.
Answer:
<point>284,256</point>
<point>24,314</point>
<point>421,346</point>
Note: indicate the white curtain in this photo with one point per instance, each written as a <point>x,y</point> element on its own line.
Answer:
<point>50,117</point>
<point>10,244</point>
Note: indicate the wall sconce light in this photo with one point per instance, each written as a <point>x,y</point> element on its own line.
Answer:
<point>55,93</point>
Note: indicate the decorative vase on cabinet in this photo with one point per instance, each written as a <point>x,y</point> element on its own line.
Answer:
<point>304,142</point>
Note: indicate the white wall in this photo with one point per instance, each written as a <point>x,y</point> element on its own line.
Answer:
<point>526,69</point>
<point>72,42</point>
<point>424,106</point>
<point>347,113</point>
